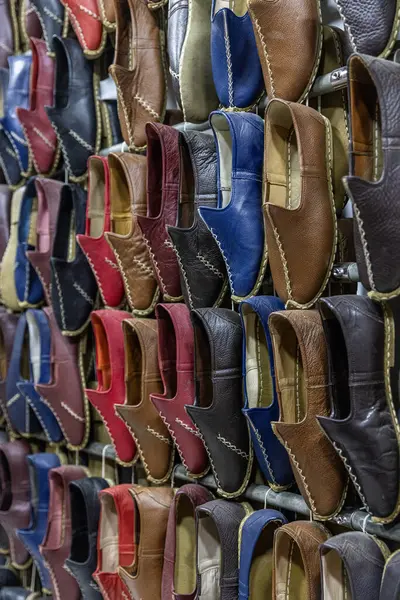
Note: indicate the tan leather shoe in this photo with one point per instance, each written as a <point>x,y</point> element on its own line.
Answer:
<point>299,207</point>
<point>128,174</point>
<point>107,14</point>
<point>152,506</point>
<point>301,369</point>
<point>143,378</point>
<point>8,290</point>
<point>289,68</point>
<point>139,68</point>
<point>297,562</point>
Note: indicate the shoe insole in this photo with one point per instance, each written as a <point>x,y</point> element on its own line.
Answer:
<point>224,141</point>
<point>108,533</point>
<point>262,566</point>
<point>204,384</point>
<point>34,346</point>
<point>185,551</point>
<point>96,199</point>
<point>258,373</point>
<point>208,559</point>
<point>133,363</point>
<point>121,215</point>
<point>32,236</point>
<point>335,580</point>
<point>291,583</point>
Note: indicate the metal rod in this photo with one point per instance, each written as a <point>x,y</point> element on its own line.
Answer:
<point>346,272</point>
<point>331,82</point>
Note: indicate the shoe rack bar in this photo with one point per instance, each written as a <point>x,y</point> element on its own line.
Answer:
<point>331,82</point>
<point>346,272</point>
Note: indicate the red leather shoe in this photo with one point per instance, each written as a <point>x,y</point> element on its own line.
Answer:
<point>115,541</point>
<point>176,360</point>
<point>39,132</point>
<point>49,196</point>
<point>110,366</point>
<point>86,21</point>
<point>94,244</point>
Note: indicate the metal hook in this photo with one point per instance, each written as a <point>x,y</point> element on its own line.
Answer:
<point>133,475</point>
<point>364,525</point>
<point>266,497</point>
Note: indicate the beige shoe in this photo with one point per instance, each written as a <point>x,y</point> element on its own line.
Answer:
<point>8,290</point>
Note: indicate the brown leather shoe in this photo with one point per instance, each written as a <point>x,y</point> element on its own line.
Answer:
<point>128,173</point>
<point>142,377</point>
<point>297,560</point>
<point>152,506</point>
<point>301,369</point>
<point>299,209</point>
<point>289,69</point>
<point>139,68</point>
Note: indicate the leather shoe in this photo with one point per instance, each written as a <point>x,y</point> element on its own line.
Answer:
<point>8,291</point>
<point>390,586</point>
<point>8,325</point>
<point>5,214</point>
<point>53,20</point>
<point>84,16</point>
<point>9,32</point>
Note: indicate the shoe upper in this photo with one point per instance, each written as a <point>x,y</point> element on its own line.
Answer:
<point>8,289</point>
<point>51,16</point>
<point>86,23</point>
<point>5,214</point>
<point>8,325</point>
<point>390,585</point>
<point>8,45</point>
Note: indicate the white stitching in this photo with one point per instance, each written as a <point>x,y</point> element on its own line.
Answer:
<point>232,447</point>
<point>43,137</point>
<point>61,300</point>
<point>162,438</point>
<point>111,263</point>
<point>173,73</point>
<point>184,275</point>
<point>81,141</point>
<point>263,450</point>
<point>147,107</point>
<point>352,40</point>
<point>264,46</point>
<point>352,476</point>
<point>19,139</point>
<point>300,472</point>
<point>228,62</point>
<point>97,279</point>
<point>13,399</point>
<point>89,12</point>
<point>210,266</point>
<point>283,259</point>
<point>72,413</point>
<point>228,269</point>
<point>365,246</point>
<point>50,14</point>
<point>83,293</point>
<point>188,428</point>
<point>152,256</point>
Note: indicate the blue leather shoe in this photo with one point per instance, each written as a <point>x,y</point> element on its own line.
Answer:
<point>256,559</point>
<point>41,372</point>
<point>39,466</point>
<point>27,283</point>
<point>236,67</point>
<point>18,96</point>
<point>237,222</point>
<point>261,402</point>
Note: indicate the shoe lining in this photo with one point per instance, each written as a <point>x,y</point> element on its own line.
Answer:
<point>290,374</point>
<point>62,76</point>
<point>34,488</point>
<point>121,212</point>
<point>262,565</point>
<point>334,580</point>
<point>34,346</point>
<point>108,534</point>
<point>24,363</point>
<point>367,155</point>
<point>283,162</point>
<point>80,541</point>
<point>55,524</point>
<point>134,365</point>
<point>239,7</point>
<point>167,356</point>
<point>259,383</point>
<point>43,225</point>
<point>208,559</point>
<point>96,199</point>
<point>204,385</point>
<point>103,363</point>
<point>290,574</point>
<point>185,550</point>
<point>224,142</point>
<point>186,193</point>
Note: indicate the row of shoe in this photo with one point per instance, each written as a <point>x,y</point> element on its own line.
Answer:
<point>176,382</point>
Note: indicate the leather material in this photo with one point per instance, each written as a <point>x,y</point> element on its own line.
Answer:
<point>27,283</point>
<point>152,508</point>
<point>29,24</point>
<point>202,268</point>
<point>52,19</point>
<point>261,403</point>
<point>14,593</point>
<point>111,375</point>
<point>39,133</point>
<point>226,517</point>
<point>56,544</point>
<point>17,96</point>
<point>22,417</point>
<point>73,115</point>
<point>299,208</point>
<point>39,466</point>
<point>85,516</point>
<point>362,560</point>
<point>8,325</point>
<point>236,67</point>
<point>217,411</point>
<point>15,506</point>
<point>302,384</point>
<point>302,539</point>
<point>73,286</point>
<point>176,362</point>
<point>372,32</point>
<point>175,557</point>
<point>84,16</point>
<point>127,201</point>
<point>48,194</point>
<point>142,378</point>
<point>254,530</point>
<point>141,83</point>
<point>239,140</point>
<point>390,586</point>
<point>39,335</point>
<point>94,245</point>
<point>5,215</point>
<point>376,237</point>
<point>9,164</point>
<point>8,37</point>
<point>70,411</point>
<point>107,14</point>
<point>8,290</point>
<point>3,90</point>
<point>164,172</point>
<point>116,547</point>
<point>288,74</point>
<point>178,16</point>
<point>356,342</point>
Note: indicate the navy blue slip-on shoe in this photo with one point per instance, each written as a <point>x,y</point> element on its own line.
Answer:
<point>237,222</point>
<point>261,402</point>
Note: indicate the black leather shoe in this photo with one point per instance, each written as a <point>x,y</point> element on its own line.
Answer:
<point>14,593</point>
<point>9,163</point>
<point>202,268</point>
<point>217,412</point>
<point>363,423</point>
<point>73,286</point>
<point>52,19</point>
<point>85,516</point>
<point>74,115</point>
<point>390,586</point>
<point>8,578</point>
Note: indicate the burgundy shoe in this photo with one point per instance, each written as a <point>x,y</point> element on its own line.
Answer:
<point>8,325</point>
